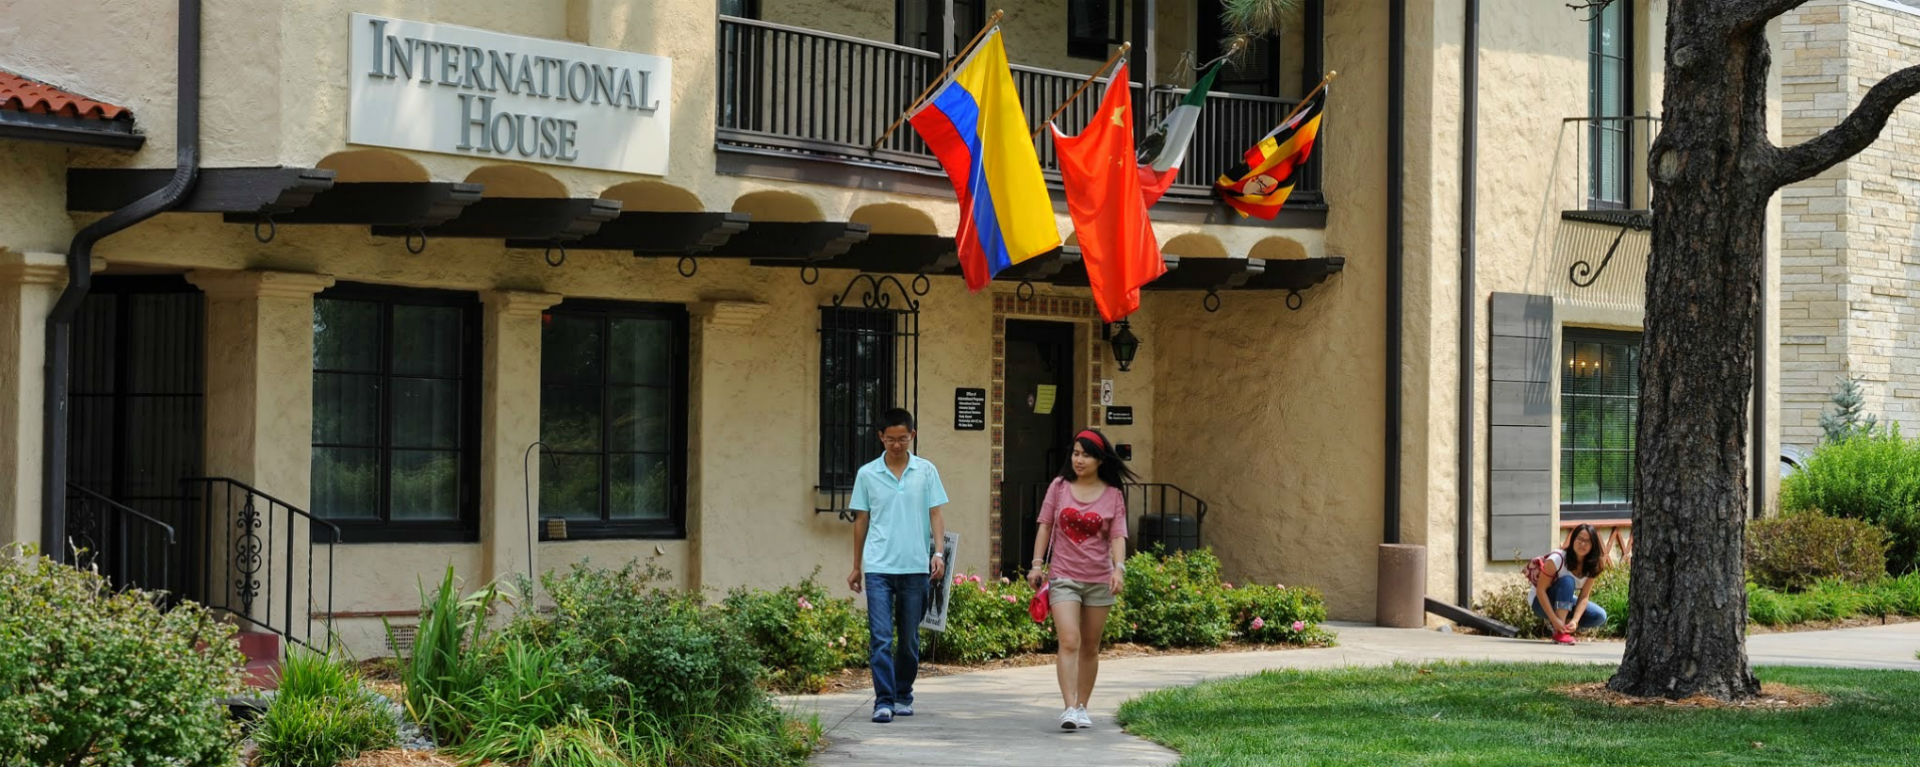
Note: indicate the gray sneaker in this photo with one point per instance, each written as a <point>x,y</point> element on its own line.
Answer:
<point>1068,721</point>
<point>903,709</point>
<point>883,714</point>
<point>1081,719</point>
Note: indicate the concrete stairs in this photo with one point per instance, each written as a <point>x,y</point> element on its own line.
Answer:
<point>262,649</point>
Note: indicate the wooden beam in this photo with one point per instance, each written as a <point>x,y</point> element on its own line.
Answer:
<point>411,204</point>
<point>217,190</point>
<point>890,254</point>
<point>810,243</point>
<point>1470,618</point>
<point>1209,274</point>
<point>541,219</point>
<point>658,233</point>
<point>1074,275</point>
<point>1296,274</point>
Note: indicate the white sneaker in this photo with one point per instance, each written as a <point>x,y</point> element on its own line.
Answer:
<point>1081,719</point>
<point>1069,720</point>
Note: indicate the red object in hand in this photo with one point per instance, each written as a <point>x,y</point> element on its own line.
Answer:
<point>1041,604</point>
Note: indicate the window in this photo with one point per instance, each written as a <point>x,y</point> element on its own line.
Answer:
<point>613,407</point>
<point>1254,72</point>
<point>395,412</point>
<point>1610,104</point>
<point>916,23</point>
<point>1599,422</point>
<point>745,9</point>
<point>868,362</point>
<point>1094,27</point>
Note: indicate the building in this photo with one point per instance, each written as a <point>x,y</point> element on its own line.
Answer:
<point>1851,248</point>
<point>367,316</point>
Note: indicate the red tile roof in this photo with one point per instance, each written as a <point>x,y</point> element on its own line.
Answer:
<point>19,94</point>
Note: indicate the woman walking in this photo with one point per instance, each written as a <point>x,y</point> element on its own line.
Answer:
<point>1563,574</point>
<point>1086,506</point>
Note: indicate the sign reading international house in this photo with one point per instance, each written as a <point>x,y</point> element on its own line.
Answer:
<point>459,90</point>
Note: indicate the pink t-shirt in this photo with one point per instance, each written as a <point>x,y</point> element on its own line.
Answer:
<point>1083,530</point>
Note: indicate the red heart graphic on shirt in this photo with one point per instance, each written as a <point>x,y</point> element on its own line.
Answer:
<point>1080,525</point>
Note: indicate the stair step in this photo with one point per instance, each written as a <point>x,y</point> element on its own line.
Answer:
<point>259,645</point>
<point>262,674</point>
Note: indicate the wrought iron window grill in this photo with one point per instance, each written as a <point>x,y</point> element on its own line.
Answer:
<point>869,362</point>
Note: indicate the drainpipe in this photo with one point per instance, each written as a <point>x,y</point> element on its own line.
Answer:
<point>1396,198</point>
<point>1469,158</point>
<point>53,502</point>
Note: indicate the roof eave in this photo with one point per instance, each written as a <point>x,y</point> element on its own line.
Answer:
<point>60,129</point>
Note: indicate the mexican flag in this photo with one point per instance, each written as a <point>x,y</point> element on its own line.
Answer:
<point>1166,145</point>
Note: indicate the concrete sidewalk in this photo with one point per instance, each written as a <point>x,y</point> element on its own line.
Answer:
<point>1007,716</point>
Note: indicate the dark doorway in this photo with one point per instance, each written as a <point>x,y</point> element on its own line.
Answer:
<point>137,424</point>
<point>1039,355</point>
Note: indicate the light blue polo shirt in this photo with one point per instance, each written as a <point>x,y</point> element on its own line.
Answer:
<point>899,511</point>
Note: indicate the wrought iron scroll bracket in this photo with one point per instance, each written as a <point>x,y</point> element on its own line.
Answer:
<point>1210,301</point>
<point>1583,273</point>
<point>875,295</point>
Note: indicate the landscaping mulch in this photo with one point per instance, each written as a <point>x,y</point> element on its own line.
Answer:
<point>400,757</point>
<point>1772,697</point>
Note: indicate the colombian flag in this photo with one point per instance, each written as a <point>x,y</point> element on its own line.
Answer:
<point>975,126</point>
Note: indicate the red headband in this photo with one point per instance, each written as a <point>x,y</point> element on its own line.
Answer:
<point>1093,437</point>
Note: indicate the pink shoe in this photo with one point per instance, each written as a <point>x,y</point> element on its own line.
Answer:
<point>1563,638</point>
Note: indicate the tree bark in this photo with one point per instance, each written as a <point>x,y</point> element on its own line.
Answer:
<point>1687,599</point>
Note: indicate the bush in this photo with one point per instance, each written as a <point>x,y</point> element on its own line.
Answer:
<point>802,634</point>
<point>1177,600</point>
<point>93,677</point>
<point>448,655</point>
<point>1276,614</point>
<point>321,715</point>
<point>1792,552</point>
<point>987,619</point>
<point>1833,600</point>
<point>1873,477</point>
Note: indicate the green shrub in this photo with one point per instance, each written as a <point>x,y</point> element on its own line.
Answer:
<point>1833,600</point>
<point>321,715</point>
<point>449,655</point>
<point>1791,552</point>
<point>987,619</point>
<point>93,677</point>
<point>672,654</point>
<point>1278,615</point>
<point>1873,477</point>
<point>1610,593</point>
<point>1177,600</point>
<point>802,634</point>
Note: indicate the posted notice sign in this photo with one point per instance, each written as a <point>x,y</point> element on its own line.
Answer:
<point>460,90</point>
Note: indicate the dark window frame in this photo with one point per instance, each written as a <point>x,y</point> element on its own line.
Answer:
<point>1608,123</point>
<point>1096,48</point>
<point>679,380</point>
<point>832,477</point>
<point>1577,510</point>
<point>465,527</point>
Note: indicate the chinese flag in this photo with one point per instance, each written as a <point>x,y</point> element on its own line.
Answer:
<point>1108,205</point>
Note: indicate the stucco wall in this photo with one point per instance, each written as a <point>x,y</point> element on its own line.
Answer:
<point>1852,250</point>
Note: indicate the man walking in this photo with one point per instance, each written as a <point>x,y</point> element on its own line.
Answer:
<point>895,560</point>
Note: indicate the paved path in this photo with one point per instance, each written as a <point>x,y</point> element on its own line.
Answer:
<point>1007,716</point>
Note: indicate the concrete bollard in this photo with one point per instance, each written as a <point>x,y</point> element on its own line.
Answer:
<point>1400,596</point>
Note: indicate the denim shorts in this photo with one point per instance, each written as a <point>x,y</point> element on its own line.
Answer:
<point>1087,593</point>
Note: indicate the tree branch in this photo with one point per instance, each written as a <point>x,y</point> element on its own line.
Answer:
<point>1595,6</point>
<point>1752,12</point>
<point>1856,132</point>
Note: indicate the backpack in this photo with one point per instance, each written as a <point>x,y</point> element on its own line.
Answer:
<point>1534,567</point>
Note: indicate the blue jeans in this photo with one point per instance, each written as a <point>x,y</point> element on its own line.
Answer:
<point>1563,595</point>
<point>895,604</point>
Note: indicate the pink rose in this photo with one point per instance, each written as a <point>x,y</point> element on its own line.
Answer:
<point>974,578</point>
<point>1004,581</point>
<point>959,579</point>
<point>1010,598</point>
<point>1279,585</point>
<point>982,589</point>
<point>1299,626</point>
<point>804,604</point>
<point>1228,585</point>
<point>1259,623</point>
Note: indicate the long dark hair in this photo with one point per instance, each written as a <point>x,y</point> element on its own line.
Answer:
<point>1112,470</point>
<point>1595,562</point>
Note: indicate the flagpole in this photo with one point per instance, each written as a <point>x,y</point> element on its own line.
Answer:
<point>1117,55</point>
<point>992,21</point>
<point>1310,94</point>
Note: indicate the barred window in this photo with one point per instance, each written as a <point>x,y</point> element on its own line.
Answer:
<point>1599,422</point>
<point>868,363</point>
<point>1094,27</point>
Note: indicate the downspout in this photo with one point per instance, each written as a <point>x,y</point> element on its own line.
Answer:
<point>1396,198</point>
<point>1469,159</point>
<point>53,501</point>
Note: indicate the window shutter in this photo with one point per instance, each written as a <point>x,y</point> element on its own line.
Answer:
<point>1520,412</point>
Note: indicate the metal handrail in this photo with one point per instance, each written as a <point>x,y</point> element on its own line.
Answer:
<point>114,544</point>
<point>251,490</point>
<point>1229,95</point>
<point>895,47</point>
<point>247,553</point>
<point>125,509</point>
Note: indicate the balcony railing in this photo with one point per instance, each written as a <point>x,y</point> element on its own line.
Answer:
<point>820,95</point>
<point>1611,161</point>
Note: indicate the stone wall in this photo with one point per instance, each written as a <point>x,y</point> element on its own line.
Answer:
<point>1851,245</point>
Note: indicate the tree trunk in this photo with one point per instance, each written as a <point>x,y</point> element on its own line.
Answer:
<point>1711,184</point>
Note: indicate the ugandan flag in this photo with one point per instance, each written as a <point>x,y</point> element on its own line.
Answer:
<point>1261,183</point>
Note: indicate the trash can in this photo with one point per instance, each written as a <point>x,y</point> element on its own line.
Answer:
<point>1401,596</point>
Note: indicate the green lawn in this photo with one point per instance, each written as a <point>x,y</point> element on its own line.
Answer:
<point>1498,714</point>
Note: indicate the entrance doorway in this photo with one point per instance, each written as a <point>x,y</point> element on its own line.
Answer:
<point>1039,420</point>
<point>136,424</point>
